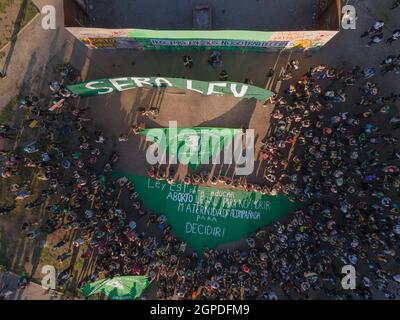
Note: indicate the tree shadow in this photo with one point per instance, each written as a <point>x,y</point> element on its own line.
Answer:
<point>14,36</point>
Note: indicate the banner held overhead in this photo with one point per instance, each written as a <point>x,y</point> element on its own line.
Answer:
<point>118,288</point>
<point>105,86</point>
<point>199,144</point>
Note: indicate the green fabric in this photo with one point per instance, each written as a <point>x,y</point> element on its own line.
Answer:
<point>195,153</point>
<point>183,40</point>
<point>118,288</point>
<point>201,34</point>
<point>176,40</point>
<point>207,217</point>
<point>105,86</point>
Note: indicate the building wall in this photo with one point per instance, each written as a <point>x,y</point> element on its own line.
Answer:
<point>329,13</point>
<point>76,13</point>
<point>173,40</point>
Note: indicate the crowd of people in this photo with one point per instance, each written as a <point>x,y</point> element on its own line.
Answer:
<point>341,165</point>
<point>376,34</point>
<point>345,168</point>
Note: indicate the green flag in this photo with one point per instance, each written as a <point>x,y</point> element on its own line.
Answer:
<point>195,146</point>
<point>118,288</point>
<point>105,86</point>
<point>207,217</point>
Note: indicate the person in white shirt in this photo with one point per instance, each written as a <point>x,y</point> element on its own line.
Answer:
<point>395,36</point>
<point>376,28</point>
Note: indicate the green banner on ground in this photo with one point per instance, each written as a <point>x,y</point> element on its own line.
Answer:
<point>105,86</point>
<point>118,288</point>
<point>194,146</point>
<point>207,217</point>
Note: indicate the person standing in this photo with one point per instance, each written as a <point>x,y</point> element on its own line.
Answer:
<point>376,28</point>
<point>395,5</point>
<point>223,76</point>
<point>188,62</point>
<point>395,36</point>
<point>375,39</point>
<point>215,59</point>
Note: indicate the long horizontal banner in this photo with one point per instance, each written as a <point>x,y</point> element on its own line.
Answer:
<point>244,40</point>
<point>105,86</point>
<point>207,217</point>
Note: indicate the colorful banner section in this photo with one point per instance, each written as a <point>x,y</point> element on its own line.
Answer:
<point>245,40</point>
<point>208,217</point>
<point>193,146</point>
<point>105,86</point>
<point>118,288</point>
